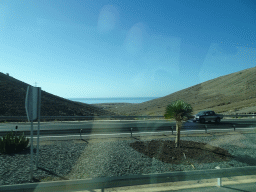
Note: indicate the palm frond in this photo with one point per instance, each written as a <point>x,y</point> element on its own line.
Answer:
<point>179,110</point>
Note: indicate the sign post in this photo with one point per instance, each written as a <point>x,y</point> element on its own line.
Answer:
<point>32,106</point>
<point>38,130</point>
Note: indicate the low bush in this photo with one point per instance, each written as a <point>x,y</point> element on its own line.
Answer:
<point>11,143</point>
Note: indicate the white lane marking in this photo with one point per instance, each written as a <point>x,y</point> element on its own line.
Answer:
<point>247,128</point>
<point>102,134</point>
<point>191,131</point>
<point>231,129</point>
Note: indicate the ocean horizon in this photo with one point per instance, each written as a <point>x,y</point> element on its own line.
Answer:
<point>113,100</point>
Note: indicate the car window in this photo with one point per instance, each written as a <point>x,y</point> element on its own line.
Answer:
<point>111,73</point>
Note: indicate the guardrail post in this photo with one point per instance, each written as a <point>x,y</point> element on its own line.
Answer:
<point>172,130</point>
<point>219,182</point>
<point>16,130</point>
<point>205,128</point>
<point>234,127</point>
<point>131,132</point>
<point>80,133</point>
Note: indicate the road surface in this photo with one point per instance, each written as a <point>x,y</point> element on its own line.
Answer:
<point>96,127</point>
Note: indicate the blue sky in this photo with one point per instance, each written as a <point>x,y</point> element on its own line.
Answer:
<point>113,48</point>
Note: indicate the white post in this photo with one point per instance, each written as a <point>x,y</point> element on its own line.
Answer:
<point>219,183</point>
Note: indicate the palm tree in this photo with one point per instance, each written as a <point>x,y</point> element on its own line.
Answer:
<point>180,111</point>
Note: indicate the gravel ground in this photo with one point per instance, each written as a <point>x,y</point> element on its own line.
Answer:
<point>77,159</point>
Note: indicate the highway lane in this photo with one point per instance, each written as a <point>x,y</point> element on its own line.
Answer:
<point>96,127</point>
<point>85,125</point>
<point>225,123</point>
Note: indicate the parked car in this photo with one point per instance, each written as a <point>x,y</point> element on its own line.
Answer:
<point>209,116</point>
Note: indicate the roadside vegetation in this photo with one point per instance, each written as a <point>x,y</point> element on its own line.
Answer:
<point>11,143</point>
<point>181,152</point>
<point>180,111</point>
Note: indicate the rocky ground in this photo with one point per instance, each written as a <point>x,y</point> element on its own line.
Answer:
<point>91,158</point>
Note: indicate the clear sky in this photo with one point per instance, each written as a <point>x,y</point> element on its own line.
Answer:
<point>125,48</point>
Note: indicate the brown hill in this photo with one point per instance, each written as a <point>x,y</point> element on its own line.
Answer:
<point>227,94</point>
<point>12,102</point>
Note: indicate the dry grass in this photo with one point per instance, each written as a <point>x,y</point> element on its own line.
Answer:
<point>226,94</point>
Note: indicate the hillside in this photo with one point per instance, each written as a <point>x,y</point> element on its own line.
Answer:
<point>229,94</point>
<point>12,102</point>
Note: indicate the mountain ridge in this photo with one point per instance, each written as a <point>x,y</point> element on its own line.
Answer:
<point>226,94</point>
<point>12,101</point>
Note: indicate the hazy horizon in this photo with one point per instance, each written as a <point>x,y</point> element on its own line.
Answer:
<point>97,100</point>
<point>106,97</point>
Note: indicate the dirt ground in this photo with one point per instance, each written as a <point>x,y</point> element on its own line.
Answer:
<point>187,153</point>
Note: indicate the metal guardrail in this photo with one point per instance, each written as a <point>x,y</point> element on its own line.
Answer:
<point>131,129</point>
<point>131,180</point>
<point>77,117</point>
<point>99,117</point>
<point>250,115</point>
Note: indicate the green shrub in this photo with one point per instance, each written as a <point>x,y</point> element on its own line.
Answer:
<point>11,143</point>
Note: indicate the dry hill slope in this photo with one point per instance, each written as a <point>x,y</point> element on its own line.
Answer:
<point>226,94</point>
<point>12,102</point>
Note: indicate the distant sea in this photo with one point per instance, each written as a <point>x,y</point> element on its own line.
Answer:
<point>113,100</point>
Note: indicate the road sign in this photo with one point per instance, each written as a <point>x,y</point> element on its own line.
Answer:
<point>31,103</point>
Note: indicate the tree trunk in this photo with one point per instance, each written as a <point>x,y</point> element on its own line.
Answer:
<point>177,140</point>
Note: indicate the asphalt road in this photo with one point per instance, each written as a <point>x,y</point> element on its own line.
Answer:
<point>96,127</point>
